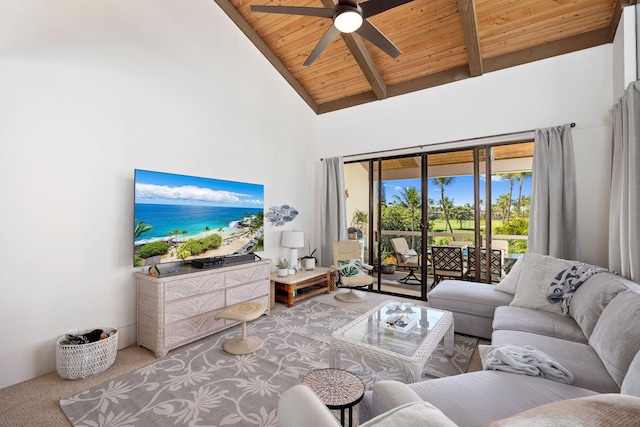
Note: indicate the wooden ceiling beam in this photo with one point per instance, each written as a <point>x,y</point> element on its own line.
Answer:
<point>252,35</point>
<point>617,15</point>
<point>471,36</point>
<point>559,47</point>
<point>364,60</point>
<point>548,50</point>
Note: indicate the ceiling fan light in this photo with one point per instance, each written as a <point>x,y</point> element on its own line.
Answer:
<point>348,21</point>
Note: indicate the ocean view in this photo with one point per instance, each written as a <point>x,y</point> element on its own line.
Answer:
<point>165,218</point>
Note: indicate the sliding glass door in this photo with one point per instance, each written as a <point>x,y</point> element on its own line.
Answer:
<point>401,207</point>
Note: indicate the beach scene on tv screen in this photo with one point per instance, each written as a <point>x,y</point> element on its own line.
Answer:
<point>180,217</point>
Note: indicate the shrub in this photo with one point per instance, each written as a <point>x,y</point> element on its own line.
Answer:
<point>153,249</point>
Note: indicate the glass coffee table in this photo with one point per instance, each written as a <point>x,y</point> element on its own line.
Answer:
<point>408,349</point>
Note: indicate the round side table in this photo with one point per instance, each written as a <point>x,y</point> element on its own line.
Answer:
<point>337,389</point>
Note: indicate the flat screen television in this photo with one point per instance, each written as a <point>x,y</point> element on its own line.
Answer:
<point>181,218</point>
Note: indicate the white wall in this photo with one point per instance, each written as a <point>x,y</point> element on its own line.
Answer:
<point>625,65</point>
<point>91,90</point>
<point>571,88</point>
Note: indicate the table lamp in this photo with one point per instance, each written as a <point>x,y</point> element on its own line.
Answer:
<point>293,240</point>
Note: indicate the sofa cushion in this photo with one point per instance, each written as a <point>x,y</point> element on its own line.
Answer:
<point>616,336</point>
<point>535,279</point>
<point>478,397</point>
<point>471,303</point>
<point>578,358</point>
<point>595,411</point>
<point>410,414</point>
<point>592,297</point>
<point>480,299</point>
<point>631,383</point>
<point>537,322</point>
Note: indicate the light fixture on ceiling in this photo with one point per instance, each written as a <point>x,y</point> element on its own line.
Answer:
<point>348,19</point>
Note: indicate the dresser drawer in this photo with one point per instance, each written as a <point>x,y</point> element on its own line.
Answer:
<point>193,306</point>
<point>248,292</point>
<point>249,274</point>
<point>188,286</point>
<point>191,329</point>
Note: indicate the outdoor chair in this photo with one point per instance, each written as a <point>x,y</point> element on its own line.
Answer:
<point>448,261</point>
<point>497,263</point>
<point>407,259</point>
<point>347,253</point>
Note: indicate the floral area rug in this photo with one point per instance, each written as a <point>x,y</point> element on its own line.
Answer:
<point>204,386</point>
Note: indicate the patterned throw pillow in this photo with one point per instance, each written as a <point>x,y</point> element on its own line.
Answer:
<point>410,256</point>
<point>351,268</point>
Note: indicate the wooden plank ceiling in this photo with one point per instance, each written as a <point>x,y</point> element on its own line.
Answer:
<point>441,41</point>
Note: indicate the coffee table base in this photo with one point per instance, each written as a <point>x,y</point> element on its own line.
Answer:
<point>412,366</point>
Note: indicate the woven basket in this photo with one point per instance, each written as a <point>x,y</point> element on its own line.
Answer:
<point>76,361</point>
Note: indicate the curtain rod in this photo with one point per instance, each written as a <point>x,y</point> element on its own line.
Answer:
<point>420,147</point>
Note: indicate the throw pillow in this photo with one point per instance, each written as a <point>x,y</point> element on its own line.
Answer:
<point>509,282</point>
<point>595,411</point>
<point>351,268</point>
<point>535,279</point>
<point>410,256</point>
<point>616,336</point>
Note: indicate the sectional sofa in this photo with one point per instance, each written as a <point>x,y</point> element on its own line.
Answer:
<point>596,337</point>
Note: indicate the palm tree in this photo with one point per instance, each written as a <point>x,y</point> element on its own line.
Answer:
<point>502,205</point>
<point>521,177</point>
<point>410,198</point>
<point>511,177</point>
<point>184,232</point>
<point>444,181</point>
<point>141,227</point>
<point>206,230</point>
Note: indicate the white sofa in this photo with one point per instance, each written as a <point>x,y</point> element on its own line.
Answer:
<point>597,343</point>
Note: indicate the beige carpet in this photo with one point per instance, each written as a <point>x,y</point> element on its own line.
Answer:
<point>36,402</point>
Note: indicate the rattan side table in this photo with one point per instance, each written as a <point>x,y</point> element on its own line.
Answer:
<point>337,389</point>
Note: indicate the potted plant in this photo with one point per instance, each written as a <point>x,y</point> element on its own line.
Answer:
<point>282,267</point>
<point>310,260</point>
<point>388,263</point>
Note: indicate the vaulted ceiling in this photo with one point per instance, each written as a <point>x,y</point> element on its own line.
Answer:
<point>441,41</point>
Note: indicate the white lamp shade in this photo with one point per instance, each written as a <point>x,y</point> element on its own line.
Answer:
<point>293,239</point>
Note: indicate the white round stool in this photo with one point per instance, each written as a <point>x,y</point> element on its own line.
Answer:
<point>243,312</point>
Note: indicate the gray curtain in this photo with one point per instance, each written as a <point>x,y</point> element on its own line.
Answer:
<point>333,216</point>
<point>624,211</point>
<point>552,222</point>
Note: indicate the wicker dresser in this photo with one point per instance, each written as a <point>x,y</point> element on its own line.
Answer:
<point>177,308</point>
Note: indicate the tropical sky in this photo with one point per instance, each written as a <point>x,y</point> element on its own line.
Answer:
<point>165,188</point>
<point>461,190</point>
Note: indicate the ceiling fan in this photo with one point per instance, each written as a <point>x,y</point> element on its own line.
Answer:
<point>348,17</point>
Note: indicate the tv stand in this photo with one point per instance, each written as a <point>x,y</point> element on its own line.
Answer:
<point>302,285</point>
<point>176,309</point>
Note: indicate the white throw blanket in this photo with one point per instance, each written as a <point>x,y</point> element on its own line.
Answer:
<point>524,361</point>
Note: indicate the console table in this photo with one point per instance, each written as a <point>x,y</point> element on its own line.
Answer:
<point>302,285</point>
<point>176,308</point>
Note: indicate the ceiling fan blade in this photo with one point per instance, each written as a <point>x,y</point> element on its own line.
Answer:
<point>321,12</point>
<point>325,41</point>
<point>373,7</point>
<point>371,33</point>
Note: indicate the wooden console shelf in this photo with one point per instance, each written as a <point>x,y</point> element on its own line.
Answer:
<point>178,308</point>
<point>302,285</point>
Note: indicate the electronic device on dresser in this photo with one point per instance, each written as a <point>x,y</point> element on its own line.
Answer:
<point>219,261</point>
